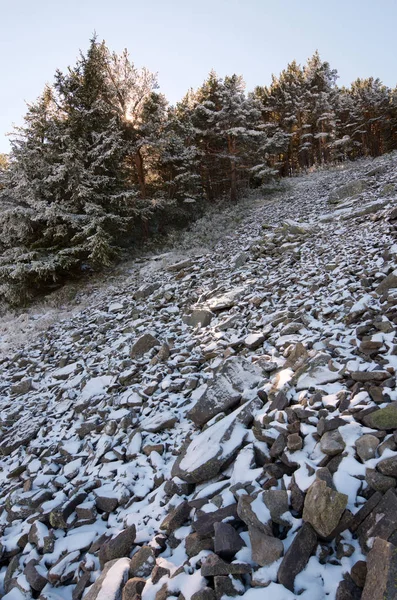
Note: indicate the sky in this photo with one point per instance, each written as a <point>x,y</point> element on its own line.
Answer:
<point>182,40</point>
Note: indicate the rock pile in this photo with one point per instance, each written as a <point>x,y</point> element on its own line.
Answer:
<point>224,428</point>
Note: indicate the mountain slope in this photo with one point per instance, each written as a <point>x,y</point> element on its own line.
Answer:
<point>238,400</point>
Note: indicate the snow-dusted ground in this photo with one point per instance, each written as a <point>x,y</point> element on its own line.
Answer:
<point>101,432</point>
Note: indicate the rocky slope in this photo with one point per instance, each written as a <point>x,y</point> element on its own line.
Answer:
<point>224,426</point>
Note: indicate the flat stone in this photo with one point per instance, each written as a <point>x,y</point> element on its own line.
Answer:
<point>22,387</point>
<point>41,537</point>
<point>143,344</point>
<point>194,544</point>
<point>294,442</point>
<point>388,283</point>
<point>365,510</point>
<point>159,422</point>
<point>254,513</point>
<point>381,580</point>
<point>133,588</point>
<point>118,547</point>
<point>210,451</point>
<point>181,265</point>
<point>59,516</point>
<point>224,392</point>
<point>384,418</point>
<point>82,584</point>
<point>359,573</point>
<point>366,446</point>
<point>111,581</point>
<point>204,525</point>
<point>365,376</point>
<point>332,443</point>
<point>227,541</point>
<point>213,566</point>
<point>377,481</point>
<point>199,316</point>
<point>265,548</point>
<point>277,503</point>
<point>34,574</point>
<point>226,585</point>
<point>381,522</point>
<point>297,556</point>
<point>21,433</point>
<point>142,562</point>
<point>388,466</point>
<point>323,507</point>
<point>347,589</point>
<point>254,340</point>
<point>226,300</point>
<point>176,518</point>
<point>352,188</point>
<point>204,594</point>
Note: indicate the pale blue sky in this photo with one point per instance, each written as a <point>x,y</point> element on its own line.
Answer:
<point>183,39</point>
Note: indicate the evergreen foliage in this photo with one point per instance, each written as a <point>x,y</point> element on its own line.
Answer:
<point>102,161</point>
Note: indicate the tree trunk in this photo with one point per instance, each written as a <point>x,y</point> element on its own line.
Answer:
<point>140,172</point>
<point>231,142</point>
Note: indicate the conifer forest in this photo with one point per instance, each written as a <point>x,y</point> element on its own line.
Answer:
<point>103,162</point>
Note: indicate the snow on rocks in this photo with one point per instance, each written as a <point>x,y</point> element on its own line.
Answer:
<point>206,430</point>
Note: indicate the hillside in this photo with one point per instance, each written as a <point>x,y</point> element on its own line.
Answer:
<point>222,421</point>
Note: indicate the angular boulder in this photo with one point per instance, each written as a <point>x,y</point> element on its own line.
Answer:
<point>212,449</point>
<point>225,391</point>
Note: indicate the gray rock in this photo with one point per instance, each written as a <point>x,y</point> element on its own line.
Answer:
<point>332,443</point>
<point>241,260</point>
<point>294,442</point>
<point>366,446</point>
<point>59,516</point>
<point>204,594</point>
<point>111,581</point>
<point>199,316</point>
<point>250,511</point>
<point>21,433</point>
<point>226,300</point>
<point>213,566</point>
<point>353,188</point>
<point>297,556</point>
<point>388,283</point>
<point>133,588</point>
<point>384,418</point>
<point>204,525</point>
<point>347,589</point>
<point>207,454</point>
<point>159,422</point>
<point>368,376</point>
<point>265,548</point>
<point>41,537</point>
<point>181,265</point>
<point>277,503</point>
<point>146,290</point>
<point>35,575</point>
<point>143,344</point>
<point>388,466</point>
<point>176,518</point>
<point>381,522</point>
<point>323,507</point>
<point>227,541</point>
<point>381,580</point>
<point>22,387</point>
<point>225,391</point>
<point>194,544</point>
<point>226,586</point>
<point>118,547</point>
<point>82,584</point>
<point>377,481</point>
<point>142,562</point>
